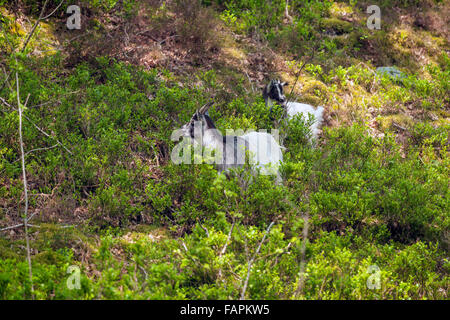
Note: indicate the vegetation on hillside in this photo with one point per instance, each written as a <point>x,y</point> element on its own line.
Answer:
<point>99,107</point>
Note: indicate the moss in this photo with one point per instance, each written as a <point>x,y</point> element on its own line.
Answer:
<point>315,90</point>
<point>344,40</point>
<point>47,38</point>
<point>339,9</point>
<point>287,77</point>
<point>7,250</point>
<point>336,25</point>
<point>312,100</point>
<point>387,122</point>
<point>10,19</point>
<point>55,237</point>
<point>47,257</point>
<point>357,38</point>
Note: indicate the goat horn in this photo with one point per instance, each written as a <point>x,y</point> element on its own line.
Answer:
<point>205,108</point>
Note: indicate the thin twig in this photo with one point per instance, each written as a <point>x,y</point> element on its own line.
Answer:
<point>21,225</point>
<point>250,81</point>
<point>399,126</point>
<point>25,187</point>
<point>222,252</point>
<point>49,136</point>
<point>38,149</point>
<point>34,27</point>
<point>32,215</point>
<point>6,79</point>
<point>51,13</point>
<point>6,37</point>
<point>224,248</point>
<point>33,226</point>
<point>204,228</point>
<point>286,12</point>
<point>36,126</point>
<point>250,264</point>
<point>301,280</point>
<point>12,227</point>
<point>277,254</point>
<point>143,270</point>
<point>43,104</point>
<point>40,18</point>
<point>299,72</point>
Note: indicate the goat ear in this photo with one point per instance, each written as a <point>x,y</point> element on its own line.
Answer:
<point>205,108</point>
<point>285,84</point>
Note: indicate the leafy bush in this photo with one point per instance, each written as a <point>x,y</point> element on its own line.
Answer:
<point>142,227</point>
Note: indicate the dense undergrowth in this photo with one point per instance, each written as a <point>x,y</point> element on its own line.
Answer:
<point>373,194</point>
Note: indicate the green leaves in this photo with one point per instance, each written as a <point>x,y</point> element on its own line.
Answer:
<point>369,201</point>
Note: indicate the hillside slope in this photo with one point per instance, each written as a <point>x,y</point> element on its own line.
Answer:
<point>99,107</point>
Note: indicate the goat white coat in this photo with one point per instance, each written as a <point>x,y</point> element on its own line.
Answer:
<point>265,152</point>
<point>294,108</point>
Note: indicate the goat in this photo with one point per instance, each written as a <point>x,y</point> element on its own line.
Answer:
<point>230,151</point>
<point>273,92</point>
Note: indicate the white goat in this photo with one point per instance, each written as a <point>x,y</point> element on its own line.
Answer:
<point>273,92</point>
<point>230,151</point>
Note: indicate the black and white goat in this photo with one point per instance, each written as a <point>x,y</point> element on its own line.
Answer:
<point>230,151</point>
<point>273,93</point>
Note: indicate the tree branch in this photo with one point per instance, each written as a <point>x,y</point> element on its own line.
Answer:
<point>34,27</point>
<point>38,149</point>
<point>25,187</point>
<point>224,249</point>
<point>250,264</point>
<point>222,252</point>
<point>301,280</point>
<point>51,13</point>
<point>42,131</point>
<point>40,18</point>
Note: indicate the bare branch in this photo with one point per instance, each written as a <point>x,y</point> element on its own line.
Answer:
<point>250,264</point>
<point>32,215</point>
<point>204,228</point>
<point>396,125</point>
<point>287,16</point>
<point>42,131</point>
<point>25,187</point>
<point>34,27</point>
<point>38,149</point>
<point>224,249</point>
<point>277,254</point>
<point>250,81</point>
<point>222,252</point>
<point>51,13</point>
<point>20,225</point>
<point>6,37</point>
<point>12,227</point>
<point>301,280</point>
<point>311,57</point>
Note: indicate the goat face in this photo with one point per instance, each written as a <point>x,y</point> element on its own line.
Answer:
<point>188,128</point>
<point>274,91</point>
<point>199,122</point>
